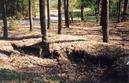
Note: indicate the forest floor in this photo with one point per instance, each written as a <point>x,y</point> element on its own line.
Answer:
<point>82,57</point>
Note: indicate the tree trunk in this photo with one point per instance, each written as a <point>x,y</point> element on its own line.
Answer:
<point>98,10</point>
<point>44,45</point>
<point>125,7</point>
<point>43,20</point>
<point>101,19</point>
<point>34,8</point>
<point>82,11</point>
<point>30,15</point>
<point>71,16</point>
<point>4,17</point>
<point>125,10</point>
<point>59,17</point>
<point>119,11</point>
<point>66,11</point>
<point>48,14</point>
<point>105,20</point>
<point>17,5</point>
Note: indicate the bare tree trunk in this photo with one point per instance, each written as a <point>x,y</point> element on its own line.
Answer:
<point>59,17</point>
<point>66,11</point>
<point>71,16</point>
<point>125,10</point>
<point>45,46</point>
<point>17,5</point>
<point>101,14</point>
<point>125,7</point>
<point>98,10</point>
<point>105,20</point>
<point>34,8</point>
<point>43,20</point>
<point>48,14</point>
<point>4,17</point>
<point>30,15</point>
<point>119,11</point>
<point>82,11</point>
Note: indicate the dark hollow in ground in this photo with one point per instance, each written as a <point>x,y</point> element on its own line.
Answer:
<point>104,68</point>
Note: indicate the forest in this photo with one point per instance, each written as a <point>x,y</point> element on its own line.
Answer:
<point>64,41</point>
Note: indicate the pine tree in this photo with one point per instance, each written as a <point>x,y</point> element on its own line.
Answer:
<point>119,11</point>
<point>44,44</point>
<point>66,12</point>
<point>59,17</point>
<point>98,2</point>
<point>43,20</point>
<point>48,14</point>
<point>105,20</point>
<point>82,10</point>
<point>125,10</point>
<point>30,15</point>
<point>4,17</point>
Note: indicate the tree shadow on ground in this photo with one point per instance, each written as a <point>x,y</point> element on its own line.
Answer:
<point>67,41</point>
<point>5,52</point>
<point>22,37</point>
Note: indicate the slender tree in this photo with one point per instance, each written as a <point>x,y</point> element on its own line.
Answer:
<point>125,10</point>
<point>71,16</point>
<point>4,17</point>
<point>101,18</point>
<point>82,10</point>
<point>105,20</point>
<point>17,5</point>
<point>98,10</point>
<point>125,7</point>
<point>45,46</point>
<point>66,12</point>
<point>48,14</point>
<point>59,17</point>
<point>34,9</point>
<point>43,20</point>
<point>30,15</point>
<point>119,11</point>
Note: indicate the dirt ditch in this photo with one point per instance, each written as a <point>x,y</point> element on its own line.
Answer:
<point>84,62</point>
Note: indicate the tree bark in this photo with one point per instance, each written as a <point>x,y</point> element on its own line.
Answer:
<point>125,7</point>
<point>4,17</point>
<point>30,15</point>
<point>48,14</point>
<point>82,11</point>
<point>105,20</point>
<point>66,12</point>
<point>119,11</point>
<point>44,51</point>
<point>59,17</point>
<point>125,10</point>
<point>17,5</point>
<point>34,8</point>
<point>71,16</point>
<point>98,10</point>
<point>43,20</point>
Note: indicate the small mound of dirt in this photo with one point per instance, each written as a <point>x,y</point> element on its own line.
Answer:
<point>29,61</point>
